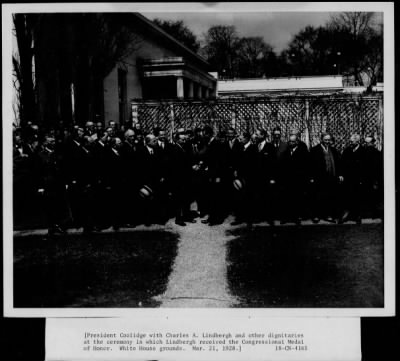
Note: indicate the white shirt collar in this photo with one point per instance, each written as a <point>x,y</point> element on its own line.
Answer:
<point>247,145</point>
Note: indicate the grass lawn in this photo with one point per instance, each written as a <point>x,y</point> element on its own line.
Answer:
<point>309,266</point>
<point>101,270</point>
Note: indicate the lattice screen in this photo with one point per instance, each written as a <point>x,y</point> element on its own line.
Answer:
<point>311,116</point>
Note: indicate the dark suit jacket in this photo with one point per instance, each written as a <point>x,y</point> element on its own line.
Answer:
<point>114,170</point>
<point>372,167</point>
<point>317,163</point>
<point>295,165</point>
<point>352,162</point>
<point>48,172</point>
<point>266,162</point>
<point>150,169</point>
<point>246,163</point>
<point>280,149</point>
<point>180,167</point>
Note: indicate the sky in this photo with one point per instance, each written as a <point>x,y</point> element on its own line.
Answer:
<point>276,28</point>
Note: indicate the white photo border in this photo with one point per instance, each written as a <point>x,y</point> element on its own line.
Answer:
<point>387,8</point>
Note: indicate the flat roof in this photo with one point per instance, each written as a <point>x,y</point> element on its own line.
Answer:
<point>291,83</point>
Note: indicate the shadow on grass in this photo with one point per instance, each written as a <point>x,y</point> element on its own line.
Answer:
<point>100,270</point>
<point>309,266</point>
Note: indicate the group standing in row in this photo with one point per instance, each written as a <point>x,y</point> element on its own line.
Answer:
<point>95,177</point>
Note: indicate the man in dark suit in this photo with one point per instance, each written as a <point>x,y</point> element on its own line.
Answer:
<point>293,176</point>
<point>129,159</point>
<point>246,171</point>
<point>151,175</point>
<point>199,180</point>
<point>75,167</point>
<point>229,149</point>
<point>265,179</point>
<point>325,175</point>
<point>215,165</point>
<point>372,179</point>
<point>115,182</point>
<point>180,173</point>
<point>352,161</point>
<point>279,145</point>
<point>101,147</point>
<point>51,185</point>
<point>280,148</point>
<point>165,151</point>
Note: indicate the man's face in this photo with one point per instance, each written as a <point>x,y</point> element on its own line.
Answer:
<point>50,142</point>
<point>327,140</point>
<point>243,139</point>
<point>117,143</point>
<point>130,137</point>
<point>230,135</point>
<point>99,126</point>
<point>277,135</point>
<point>369,142</point>
<point>80,133</point>
<point>105,137</point>
<point>355,140</point>
<point>151,141</point>
<point>199,134</point>
<point>17,139</point>
<point>258,136</point>
<point>293,141</point>
<point>112,125</point>
<point>162,136</point>
<point>181,139</point>
<point>89,127</point>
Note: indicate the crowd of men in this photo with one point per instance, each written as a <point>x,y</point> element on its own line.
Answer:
<point>96,177</point>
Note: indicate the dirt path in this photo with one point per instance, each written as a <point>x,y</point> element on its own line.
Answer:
<point>198,278</point>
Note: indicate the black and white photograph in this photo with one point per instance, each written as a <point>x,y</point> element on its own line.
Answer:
<point>162,159</point>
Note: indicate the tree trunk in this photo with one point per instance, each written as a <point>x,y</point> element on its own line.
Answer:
<point>24,29</point>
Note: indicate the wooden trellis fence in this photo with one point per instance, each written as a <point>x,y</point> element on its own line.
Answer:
<point>311,115</point>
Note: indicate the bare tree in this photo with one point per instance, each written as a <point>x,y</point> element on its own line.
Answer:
<point>23,66</point>
<point>363,48</point>
<point>253,54</point>
<point>180,32</point>
<point>221,49</point>
<point>357,23</point>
